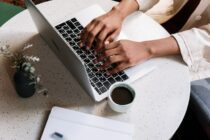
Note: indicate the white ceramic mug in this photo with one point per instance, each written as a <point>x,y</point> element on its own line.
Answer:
<point>118,107</point>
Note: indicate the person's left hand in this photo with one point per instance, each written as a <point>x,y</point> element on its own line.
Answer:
<point>123,54</point>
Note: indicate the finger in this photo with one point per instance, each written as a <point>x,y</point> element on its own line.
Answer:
<point>84,34</point>
<point>108,53</point>
<point>118,68</point>
<point>113,36</point>
<point>101,37</point>
<point>107,45</point>
<point>92,35</point>
<point>112,60</point>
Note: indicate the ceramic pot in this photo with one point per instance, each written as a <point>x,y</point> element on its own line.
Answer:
<point>24,86</point>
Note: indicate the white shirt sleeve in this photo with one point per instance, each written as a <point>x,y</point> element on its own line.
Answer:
<point>194,45</point>
<point>146,4</point>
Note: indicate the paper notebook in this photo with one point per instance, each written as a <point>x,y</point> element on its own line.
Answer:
<point>65,124</point>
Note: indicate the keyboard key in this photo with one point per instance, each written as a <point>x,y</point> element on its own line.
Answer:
<point>114,75</point>
<point>111,80</point>
<point>121,73</point>
<point>92,84</point>
<point>98,65</point>
<point>90,65</point>
<point>71,43</point>
<point>107,84</point>
<point>102,79</point>
<point>98,74</point>
<point>99,84</point>
<point>68,39</point>
<point>60,26</point>
<point>85,50</point>
<point>87,61</point>
<point>124,77</point>
<point>118,78</point>
<point>65,27</point>
<point>94,79</point>
<point>61,31</point>
<point>72,36</point>
<point>76,31</point>
<point>74,20</point>
<point>80,28</point>
<point>97,90</point>
<point>91,56</point>
<point>83,56</point>
<point>77,24</point>
<point>88,70</point>
<point>69,31</point>
<point>103,89</point>
<point>105,75</point>
<point>75,48</point>
<point>91,75</point>
<point>79,51</point>
<point>71,25</point>
<point>65,35</point>
<point>95,70</point>
<point>77,40</point>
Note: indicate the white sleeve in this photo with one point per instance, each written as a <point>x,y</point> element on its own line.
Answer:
<point>194,45</point>
<point>146,4</point>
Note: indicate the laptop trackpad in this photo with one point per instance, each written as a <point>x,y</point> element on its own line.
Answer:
<point>140,70</point>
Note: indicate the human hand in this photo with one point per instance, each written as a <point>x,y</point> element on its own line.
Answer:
<point>101,29</point>
<point>123,54</point>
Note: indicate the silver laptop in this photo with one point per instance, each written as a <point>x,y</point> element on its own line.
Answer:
<point>63,39</point>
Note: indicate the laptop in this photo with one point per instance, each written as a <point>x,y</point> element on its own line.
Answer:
<point>63,39</point>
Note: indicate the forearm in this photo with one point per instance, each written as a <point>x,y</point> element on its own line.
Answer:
<point>162,47</point>
<point>126,7</point>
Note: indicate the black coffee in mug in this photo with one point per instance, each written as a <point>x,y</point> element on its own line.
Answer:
<point>122,96</point>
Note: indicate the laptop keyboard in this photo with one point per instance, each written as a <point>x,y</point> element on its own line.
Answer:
<point>70,30</point>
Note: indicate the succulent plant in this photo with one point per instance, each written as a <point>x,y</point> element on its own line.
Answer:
<point>24,65</point>
<point>21,61</point>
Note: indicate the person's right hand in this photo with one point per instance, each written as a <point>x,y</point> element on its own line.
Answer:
<point>102,29</point>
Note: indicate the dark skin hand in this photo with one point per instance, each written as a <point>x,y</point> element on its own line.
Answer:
<point>126,53</point>
<point>107,27</point>
<point>123,53</point>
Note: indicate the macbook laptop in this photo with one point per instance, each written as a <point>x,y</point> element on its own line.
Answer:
<point>63,39</point>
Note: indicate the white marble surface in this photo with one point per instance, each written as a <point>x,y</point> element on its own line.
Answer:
<point>162,96</point>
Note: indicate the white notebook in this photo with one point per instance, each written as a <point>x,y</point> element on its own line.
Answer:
<point>65,124</point>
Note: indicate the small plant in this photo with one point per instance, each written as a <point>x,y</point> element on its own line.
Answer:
<point>26,79</point>
<point>21,61</point>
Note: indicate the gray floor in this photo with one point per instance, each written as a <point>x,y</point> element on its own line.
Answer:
<point>190,128</point>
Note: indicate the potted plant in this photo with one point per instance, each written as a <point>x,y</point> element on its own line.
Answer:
<point>25,78</point>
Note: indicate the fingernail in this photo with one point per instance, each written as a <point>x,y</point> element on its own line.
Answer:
<point>95,61</point>
<point>108,73</point>
<point>106,42</point>
<point>81,44</point>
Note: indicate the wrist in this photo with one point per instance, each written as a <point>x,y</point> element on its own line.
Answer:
<point>162,47</point>
<point>116,10</point>
<point>126,7</point>
<point>149,49</point>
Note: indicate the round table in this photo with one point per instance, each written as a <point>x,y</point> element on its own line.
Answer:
<point>162,96</point>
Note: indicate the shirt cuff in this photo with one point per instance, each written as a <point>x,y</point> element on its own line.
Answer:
<point>145,5</point>
<point>183,49</point>
<point>140,2</point>
<point>191,44</point>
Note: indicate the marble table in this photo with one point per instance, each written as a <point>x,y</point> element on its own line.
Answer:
<point>162,96</point>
